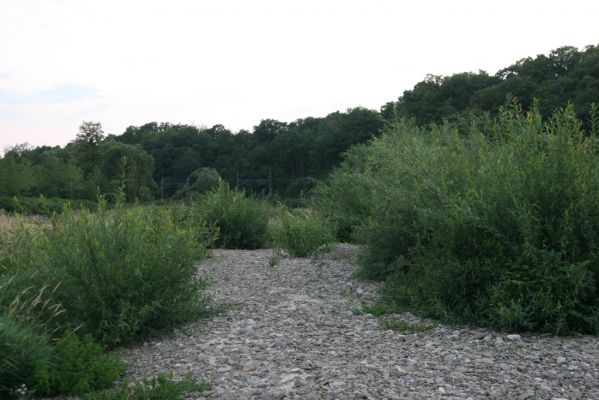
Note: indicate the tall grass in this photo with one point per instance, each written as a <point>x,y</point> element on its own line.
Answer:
<point>496,226</point>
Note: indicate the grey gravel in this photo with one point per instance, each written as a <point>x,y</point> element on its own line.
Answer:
<point>291,333</point>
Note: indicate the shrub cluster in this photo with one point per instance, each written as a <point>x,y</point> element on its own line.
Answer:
<point>79,282</point>
<point>301,232</point>
<point>496,226</point>
<point>241,220</point>
<point>124,273</point>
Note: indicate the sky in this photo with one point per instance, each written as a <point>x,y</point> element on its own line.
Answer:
<point>235,62</point>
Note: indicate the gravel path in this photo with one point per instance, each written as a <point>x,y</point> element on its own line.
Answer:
<point>292,333</point>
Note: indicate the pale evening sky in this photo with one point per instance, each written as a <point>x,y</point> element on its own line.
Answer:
<point>235,62</point>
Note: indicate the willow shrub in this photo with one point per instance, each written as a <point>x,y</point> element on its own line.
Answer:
<point>114,275</point>
<point>499,228</point>
<point>240,220</point>
<point>124,273</point>
<point>301,232</point>
<point>346,196</point>
<point>119,275</point>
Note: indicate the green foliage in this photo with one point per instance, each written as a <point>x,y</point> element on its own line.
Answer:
<point>241,220</point>
<point>131,162</point>
<point>301,232</point>
<point>201,180</point>
<point>25,354</point>
<point>79,366</point>
<point>121,274</point>
<point>346,195</point>
<point>116,275</point>
<point>42,205</point>
<point>204,179</point>
<point>565,75</point>
<point>124,273</point>
<point>497,228</point>
<point>16,175</point>
<point>163,387</point>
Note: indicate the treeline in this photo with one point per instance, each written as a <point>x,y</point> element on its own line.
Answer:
<point>565,75</point>
<point>163,159</point>
<point>288,156</point>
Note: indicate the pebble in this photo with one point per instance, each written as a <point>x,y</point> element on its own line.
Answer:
<point>290,332</point>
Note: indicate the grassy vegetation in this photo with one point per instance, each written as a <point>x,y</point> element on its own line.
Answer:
<point>76,283</point>
<point>496,226</point>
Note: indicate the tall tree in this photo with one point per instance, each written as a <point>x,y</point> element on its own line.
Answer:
<point>87,143</point>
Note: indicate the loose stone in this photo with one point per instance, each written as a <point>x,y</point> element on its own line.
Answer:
<point>291,332</point>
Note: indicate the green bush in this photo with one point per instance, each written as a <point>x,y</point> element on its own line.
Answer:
<point>346,197</point>
<point>78,366</point>
<point>25,355</point>
<point>497,228</point>
<point>124,273</point>
<point>302,232</point>
<point>120,274</point>
<point>241,220</point>
<point>116,275</point>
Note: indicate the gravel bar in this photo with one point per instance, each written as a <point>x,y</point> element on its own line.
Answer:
<point>291,332</point>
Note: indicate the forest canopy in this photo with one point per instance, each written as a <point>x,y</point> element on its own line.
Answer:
<point>157,160</point>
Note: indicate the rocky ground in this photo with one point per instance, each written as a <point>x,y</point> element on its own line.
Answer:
<point>292,332</point>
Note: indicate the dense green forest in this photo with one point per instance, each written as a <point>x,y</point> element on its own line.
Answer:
<point>165,160</point>
<point>566,74</point>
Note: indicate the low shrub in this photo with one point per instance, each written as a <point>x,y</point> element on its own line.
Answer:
<point>78,366</point>
<point>114,275</point>
<point>301,232</point>
<point>241,220</point>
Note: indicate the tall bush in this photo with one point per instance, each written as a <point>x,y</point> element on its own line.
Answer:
<point>499,228</point>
